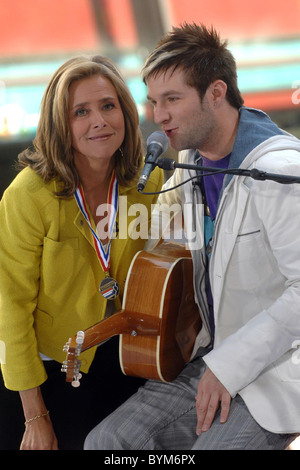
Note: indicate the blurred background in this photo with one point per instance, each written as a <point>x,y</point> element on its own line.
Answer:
<point>36,36</point>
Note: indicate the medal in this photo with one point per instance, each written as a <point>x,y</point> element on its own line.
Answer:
<point>109,287</point>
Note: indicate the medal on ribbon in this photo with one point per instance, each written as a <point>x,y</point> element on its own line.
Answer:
<point>109,287</point>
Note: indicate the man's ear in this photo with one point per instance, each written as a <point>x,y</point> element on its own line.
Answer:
<point>218,90</point>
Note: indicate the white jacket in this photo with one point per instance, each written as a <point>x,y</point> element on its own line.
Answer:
<point>255,282</point>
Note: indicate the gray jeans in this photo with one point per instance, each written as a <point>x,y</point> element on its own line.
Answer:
<point>162,416</point>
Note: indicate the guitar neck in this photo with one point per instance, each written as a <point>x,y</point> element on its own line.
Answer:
<point>122,322</point>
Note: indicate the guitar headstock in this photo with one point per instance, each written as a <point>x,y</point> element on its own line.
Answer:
<point>71,366</point>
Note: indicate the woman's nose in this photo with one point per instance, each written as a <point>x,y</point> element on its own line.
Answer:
<point>98,119</point>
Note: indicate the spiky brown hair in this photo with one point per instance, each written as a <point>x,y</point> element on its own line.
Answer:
<point>201,54</point>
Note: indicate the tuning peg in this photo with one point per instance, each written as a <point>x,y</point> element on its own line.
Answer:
<point>76,381</point>
<point>80,337</point>
<point>67,345</point>
<point>79,342</point>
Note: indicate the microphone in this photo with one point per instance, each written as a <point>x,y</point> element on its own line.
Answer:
<point>167,164</point>
<point>157,143</point>
<point>255,173</point>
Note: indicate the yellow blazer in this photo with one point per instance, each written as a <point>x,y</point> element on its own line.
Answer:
<point>50,273</point>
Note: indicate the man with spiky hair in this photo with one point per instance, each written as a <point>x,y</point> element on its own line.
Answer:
<point>244,372</point>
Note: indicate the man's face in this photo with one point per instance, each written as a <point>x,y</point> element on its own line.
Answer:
<point>187,121</point>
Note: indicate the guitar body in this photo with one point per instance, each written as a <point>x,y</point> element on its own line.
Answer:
<point>160,284</point>
<point>159,320</point>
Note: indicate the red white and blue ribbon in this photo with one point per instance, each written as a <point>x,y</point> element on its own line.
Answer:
<point>112,208</point>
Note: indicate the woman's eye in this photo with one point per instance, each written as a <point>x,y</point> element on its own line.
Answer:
<point>81,112</point>
<point>109,106</point>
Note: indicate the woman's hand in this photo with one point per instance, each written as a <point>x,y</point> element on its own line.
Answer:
<point>211,393</point>
<point>39,435</point>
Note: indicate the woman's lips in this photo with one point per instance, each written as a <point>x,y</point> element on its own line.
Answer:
<point>100,137</point>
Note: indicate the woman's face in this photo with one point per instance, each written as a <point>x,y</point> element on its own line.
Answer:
<point>96,119</point>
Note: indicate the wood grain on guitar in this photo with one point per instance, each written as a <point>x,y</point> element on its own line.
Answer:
<point>159,320</point>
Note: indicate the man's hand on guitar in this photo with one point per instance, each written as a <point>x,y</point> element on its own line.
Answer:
<point>211,394</point>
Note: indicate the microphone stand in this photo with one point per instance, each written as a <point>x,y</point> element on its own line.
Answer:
<point>169,164</point>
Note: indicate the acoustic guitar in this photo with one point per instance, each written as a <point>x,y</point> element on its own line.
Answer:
<point>158,323</point>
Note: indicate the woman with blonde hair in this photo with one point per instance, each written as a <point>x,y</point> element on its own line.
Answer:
<point>57,250</point>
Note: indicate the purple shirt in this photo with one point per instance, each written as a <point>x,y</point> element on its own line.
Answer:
<point>213,183</point>
<point>212,187</point>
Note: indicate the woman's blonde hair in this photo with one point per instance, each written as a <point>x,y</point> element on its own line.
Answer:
<point>52,155</point>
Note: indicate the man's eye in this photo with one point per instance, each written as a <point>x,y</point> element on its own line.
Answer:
<point>152,103</point>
